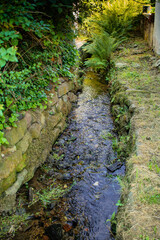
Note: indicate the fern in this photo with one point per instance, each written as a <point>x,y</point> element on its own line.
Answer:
<point>100,49</point>
<point>108,28</point>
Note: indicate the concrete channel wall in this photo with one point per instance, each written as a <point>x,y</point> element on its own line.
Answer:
<point>32,140</point>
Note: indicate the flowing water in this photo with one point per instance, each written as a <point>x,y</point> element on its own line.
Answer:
<point>79,160</point>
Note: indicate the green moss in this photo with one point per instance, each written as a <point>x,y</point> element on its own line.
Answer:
<point>22,164</point>
<point>6,183</point>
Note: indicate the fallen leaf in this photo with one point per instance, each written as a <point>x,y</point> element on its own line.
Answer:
<point>86,229</point>
<point>45,237</point>
<point>67,227</point>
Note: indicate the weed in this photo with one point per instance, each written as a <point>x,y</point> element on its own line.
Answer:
<point>57,157</point>
<point>106,135</point>
<point>10,224</point>
<point>52,193</point>
<point>113,222</point>
<point>119,203</point>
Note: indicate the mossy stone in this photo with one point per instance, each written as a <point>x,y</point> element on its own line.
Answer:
<point>9,164</point>
<point>7,182</point>
<point>22,164</point>
<point>24,143</point>
<point>63,89</point>
<point>16,134</point>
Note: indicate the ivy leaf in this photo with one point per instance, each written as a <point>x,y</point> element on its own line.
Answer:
<point>1,113</point>
<point>2,62</point>
<point>6,57</point>
<point>11,51</point>
<point>14,42</point>
<point>3,51</point>
<point>60,10</point>
<point>13,59</point>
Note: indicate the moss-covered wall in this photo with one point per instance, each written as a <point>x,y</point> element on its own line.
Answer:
<point>32,140</point>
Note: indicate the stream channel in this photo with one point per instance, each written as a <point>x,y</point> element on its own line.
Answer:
<point>77,169</point>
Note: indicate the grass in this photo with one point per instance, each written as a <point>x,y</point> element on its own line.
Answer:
<point>10,224</point>
<point>139,84</point>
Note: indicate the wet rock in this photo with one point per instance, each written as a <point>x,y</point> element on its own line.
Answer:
<point>114,166</point>
<point>66,177</point>
<point>54,232</point>
<point>156,64</point>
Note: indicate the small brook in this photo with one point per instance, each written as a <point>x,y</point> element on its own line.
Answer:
<point>79,161</point>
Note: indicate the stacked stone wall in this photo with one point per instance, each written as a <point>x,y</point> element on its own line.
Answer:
<point>31,141</point>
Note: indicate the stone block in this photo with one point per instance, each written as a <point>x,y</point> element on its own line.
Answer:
<point>24,143</point>
<point>6,150</point>
<point>62,125</point>
<point>7,182</point>
<point>35,130</point>
<point>65,98</point>
<point>16,134</point>
<point>28,118</point>
<point>63,89</point>
<point>53,120</point>
<point>38,117</point>
<point>71,85</point>
<point>59,105</point>
<point>52,99</point>
<point>9,164</point>
<point>72,97</point>
<point>62,107</point>
<point>22,164</point>
<point>15,187</point>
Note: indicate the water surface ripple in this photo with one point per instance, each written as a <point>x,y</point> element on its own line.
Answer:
<point>87,150</point>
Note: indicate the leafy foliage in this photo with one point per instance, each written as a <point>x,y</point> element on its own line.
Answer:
<point>100,50</point>
<point>33,55</point>
<point>107,28</point>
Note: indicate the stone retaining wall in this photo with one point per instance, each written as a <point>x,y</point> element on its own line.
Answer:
<point>32,140</point>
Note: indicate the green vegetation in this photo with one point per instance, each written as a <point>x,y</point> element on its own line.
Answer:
<point>107,26</point>
<point>34,53</point>
<point>53,193</point>
<point>9,224</point>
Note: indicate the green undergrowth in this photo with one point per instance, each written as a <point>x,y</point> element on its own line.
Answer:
<point>34,54</point>
<point>10,224</point>
<point>135,101</point>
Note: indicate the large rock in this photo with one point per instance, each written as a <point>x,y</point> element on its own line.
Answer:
<point>53,120</point>
<point>24,143</point>
<point>35,130</point>
<point>9,164</point>
<point>16,134</point>
<point>72,97</point>
<point>63,89</point>
<point>8,201</point>
<point>20,178</point>
<point>121,65</point>
<point>7,182</point>
<point>28,118</point>
<point>38,117</point>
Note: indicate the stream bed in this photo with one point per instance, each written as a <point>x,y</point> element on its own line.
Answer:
<point>77,171</point>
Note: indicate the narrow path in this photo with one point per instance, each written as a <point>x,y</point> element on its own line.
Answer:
<point>79,160</point>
